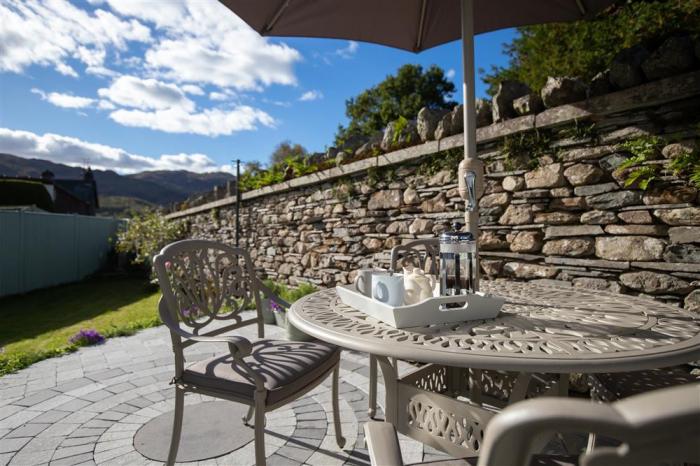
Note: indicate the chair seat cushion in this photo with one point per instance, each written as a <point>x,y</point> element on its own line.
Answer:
<point>286,367</point>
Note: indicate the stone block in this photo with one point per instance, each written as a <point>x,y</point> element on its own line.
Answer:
<point>502,102</point>
<point>556,218</point>
<point>561,192</point>
<point>670,195</point>
<point>490,241</point>
<point>397,228</point>
<point>526,241</point>
<point>528,271</point>
<point>692,301</point>
<point>434,204</point>
<point>513,183</point>
<point>644,230</point>
<point>547,176</point>
<point>583,174</point>
<point>427,121</point>
<point>654,283</point>
<point>586,153</point>
<point>386,199</point>
<point>674,56</point>
<point>573,247</point>
<point>635,216</point>
<point>517,215</point>
<point>630,248</point>
<point>528,104</point>
<point>614,200</point>
<point>411,197</point>
<point>568,203</point>
<point>562,90</point>
<point>421,226</point>
<point>684,234</point>
<point>689,253</point>
<point>679,217</point>
<point>573,230</point>
<point>598,217</point>
<point>494,200</point>
<point>491,267</point>
<point>626,67</point>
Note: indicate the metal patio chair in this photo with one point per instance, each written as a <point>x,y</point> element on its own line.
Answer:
<point>206,285</point>
<point>654,428</point>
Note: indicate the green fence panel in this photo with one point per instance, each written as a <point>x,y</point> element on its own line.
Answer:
<point>38,250</point>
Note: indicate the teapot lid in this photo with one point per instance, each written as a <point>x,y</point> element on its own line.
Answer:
<point>456,235</point>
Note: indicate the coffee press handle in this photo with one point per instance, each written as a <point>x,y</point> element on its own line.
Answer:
<point>470,182</point>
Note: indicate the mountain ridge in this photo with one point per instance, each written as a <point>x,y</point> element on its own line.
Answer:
<point>159,187</point>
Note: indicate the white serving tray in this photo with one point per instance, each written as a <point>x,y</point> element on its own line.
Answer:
<point>476,307</point>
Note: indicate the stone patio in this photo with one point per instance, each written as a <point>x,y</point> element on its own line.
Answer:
<point>86,407</point>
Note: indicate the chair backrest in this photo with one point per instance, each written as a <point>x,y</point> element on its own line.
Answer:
<point>423,253</point>
<point>206,285</point>
<point>657,427</point>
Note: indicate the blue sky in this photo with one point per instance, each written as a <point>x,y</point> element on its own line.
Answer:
<point>132,85</point>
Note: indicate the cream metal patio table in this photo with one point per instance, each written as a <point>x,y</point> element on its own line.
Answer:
<point>543,333</point>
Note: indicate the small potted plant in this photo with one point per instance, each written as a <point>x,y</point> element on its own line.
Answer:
<point>279,313</point>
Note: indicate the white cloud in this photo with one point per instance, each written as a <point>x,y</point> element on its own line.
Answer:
<point>311,95</point>
<point>73,151</point>
<point>348,51</point>
<point>64,100</point>
<point>131,91</point>
<point>192,89</point>
<point>50,33</point>
<point>66,70</point>
<point>205,43</point>
<point>101,71</point>
<point>209,122</point>
<point>450,73</point>
<point>218,96</point>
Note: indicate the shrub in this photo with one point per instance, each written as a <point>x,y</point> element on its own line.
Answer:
<point>147,233</point>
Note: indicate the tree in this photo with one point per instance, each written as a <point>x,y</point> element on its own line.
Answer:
<point>585,48</point>
<point>286,150</point>
<point>403,94</point>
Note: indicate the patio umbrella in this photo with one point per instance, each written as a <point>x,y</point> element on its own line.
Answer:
<point>415,25</point>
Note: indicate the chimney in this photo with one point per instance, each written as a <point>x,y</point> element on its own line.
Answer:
<point>87,175</point>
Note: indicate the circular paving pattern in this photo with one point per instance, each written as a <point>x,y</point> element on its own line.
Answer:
<point>209,430</point>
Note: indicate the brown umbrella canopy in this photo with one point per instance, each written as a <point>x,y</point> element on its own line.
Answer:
<point>412,25</point>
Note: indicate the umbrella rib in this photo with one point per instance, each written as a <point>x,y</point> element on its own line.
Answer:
<point>268,27</point>
<point>421,25</point>
<point>581,7</point>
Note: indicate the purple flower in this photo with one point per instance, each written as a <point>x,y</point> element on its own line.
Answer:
<point>86,337</point>
<point>275,307</point>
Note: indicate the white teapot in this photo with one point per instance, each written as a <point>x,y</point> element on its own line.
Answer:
<point>417,284</point>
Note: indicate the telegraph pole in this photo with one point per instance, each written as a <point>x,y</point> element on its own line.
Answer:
<point>238,200</point>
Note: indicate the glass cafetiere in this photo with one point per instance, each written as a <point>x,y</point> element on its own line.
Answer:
<point>457,263</point>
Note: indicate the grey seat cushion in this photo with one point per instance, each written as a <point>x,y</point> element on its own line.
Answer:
<point>286,367</point>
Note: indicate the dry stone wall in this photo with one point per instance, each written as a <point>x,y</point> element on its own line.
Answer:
<point>555,209</point>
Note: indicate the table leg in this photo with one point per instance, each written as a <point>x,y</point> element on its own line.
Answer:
<point>390,383</point>
<point>372,410</point>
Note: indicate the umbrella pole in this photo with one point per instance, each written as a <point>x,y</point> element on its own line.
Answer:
<point>471,162</point>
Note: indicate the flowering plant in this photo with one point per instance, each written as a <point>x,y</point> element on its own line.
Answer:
<point>276,307</point>
<point>86,337</point>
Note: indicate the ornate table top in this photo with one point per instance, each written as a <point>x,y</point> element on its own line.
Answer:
<point>541,328</point>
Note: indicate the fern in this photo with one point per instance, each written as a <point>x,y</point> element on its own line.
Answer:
<point>643,149</point>
<point>643,175</point>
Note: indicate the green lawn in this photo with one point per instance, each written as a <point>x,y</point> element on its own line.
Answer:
<point>38,325</point>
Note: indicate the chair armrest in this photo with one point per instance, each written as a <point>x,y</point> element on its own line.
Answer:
<point>268,293</point>
<point>382,443</point>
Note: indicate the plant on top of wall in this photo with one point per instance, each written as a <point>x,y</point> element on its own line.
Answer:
<point>523,150</point>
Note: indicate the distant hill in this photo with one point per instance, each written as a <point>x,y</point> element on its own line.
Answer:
<point>139,189</point>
